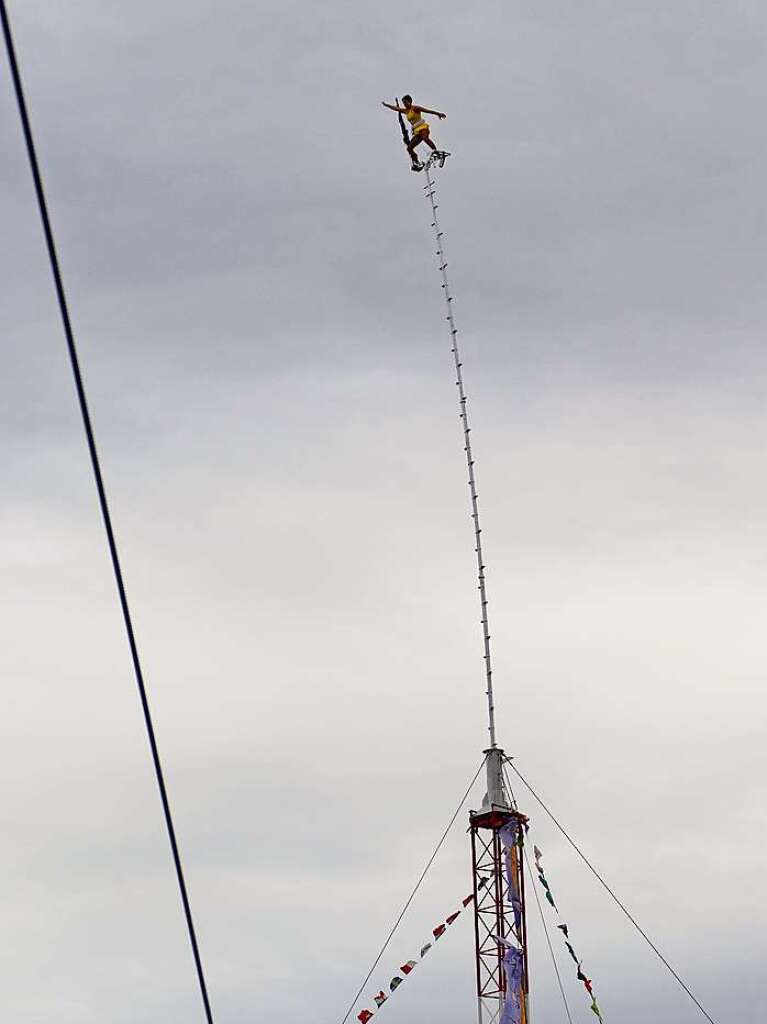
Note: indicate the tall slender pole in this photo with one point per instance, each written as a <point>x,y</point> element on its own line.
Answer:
<point>430,192</point>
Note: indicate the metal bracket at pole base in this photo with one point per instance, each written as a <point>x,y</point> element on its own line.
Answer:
<point>496,798</point>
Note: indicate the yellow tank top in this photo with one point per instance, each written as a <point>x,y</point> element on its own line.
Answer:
<point>414,117</point>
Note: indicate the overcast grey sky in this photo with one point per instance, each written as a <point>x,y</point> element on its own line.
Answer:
<point>252,281</point>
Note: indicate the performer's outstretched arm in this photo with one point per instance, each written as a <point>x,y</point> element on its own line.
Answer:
<point>437,113</point>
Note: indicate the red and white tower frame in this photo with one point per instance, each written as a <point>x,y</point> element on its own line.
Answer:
<point>500,920</point>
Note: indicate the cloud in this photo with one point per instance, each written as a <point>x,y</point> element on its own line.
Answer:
<point>251,278</point>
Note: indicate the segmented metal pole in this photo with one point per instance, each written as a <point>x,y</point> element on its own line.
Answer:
<point>430,193</point>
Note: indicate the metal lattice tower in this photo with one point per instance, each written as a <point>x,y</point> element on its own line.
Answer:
<point>498,872</point>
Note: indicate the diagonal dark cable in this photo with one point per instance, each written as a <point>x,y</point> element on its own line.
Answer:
<point>81,397</point>
<point>607,888</point>
<point>546,933</point>
<point>411,897</point>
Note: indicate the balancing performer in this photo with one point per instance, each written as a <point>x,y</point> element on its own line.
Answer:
<point>419,127</point>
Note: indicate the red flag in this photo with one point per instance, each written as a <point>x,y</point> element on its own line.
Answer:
<point>586,981</point>
<point>364,1017</point>
<point>439,930</point>
<point>408,967</point>
<point>468,899</point>
<point>449,920</point>
<point>380,999</point>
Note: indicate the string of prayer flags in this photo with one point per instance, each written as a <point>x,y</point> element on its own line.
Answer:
<point>364,1016</point>
<point>542,878</point>
<point>587,983</point>
<point>547,890</point>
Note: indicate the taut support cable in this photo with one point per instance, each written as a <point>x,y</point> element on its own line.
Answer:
<point>621,906</point>
<point>430,190</point>
<point>412,895</point>
<point>105,513</point>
